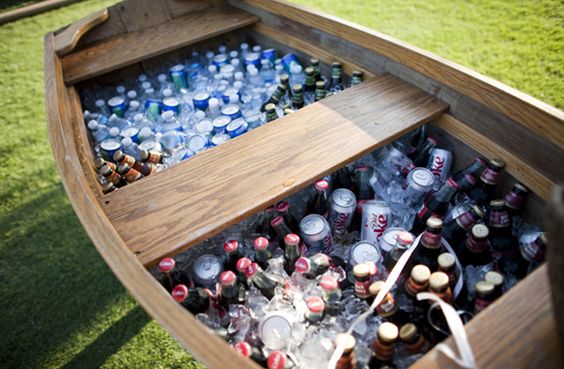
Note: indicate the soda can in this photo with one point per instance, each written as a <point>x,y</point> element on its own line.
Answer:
<point>219,60</point>
<point>269,54</point>
<point>154,106</point>
<point>341,212</point>
<point>219,139</point>
<point>252,59</point>
<point>389,238</point>
<point>117,106</point>
<point>204,127</point>
<point>364,252</point>
<point>109,147</point>
<point>376,216</point>
<point>288,59</point>
<point>179,76</point>
<point>232,111</point>
<point>220,124</point>
<point>201,100</point>
<point>275,330</point>
<point>197,143</point>
<point>171,104</point>
<point>440,163</point>
<point>237,127</point>
<point>316,233</point>
<point>419,182</point>
<point>206,270</point>
<point>131,132</point>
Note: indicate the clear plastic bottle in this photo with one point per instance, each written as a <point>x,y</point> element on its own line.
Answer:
<point>98,131</point>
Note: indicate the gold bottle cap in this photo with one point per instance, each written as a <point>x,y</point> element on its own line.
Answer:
<point>497,202</point>
<point>320,85</point>
<point>407,331</point>
<point>434,222</point>
<point>270,107</point>
<point>445,260</point>
<point>297,88</point>
<point>484,288</point>
<point>388,332</point>
<point>375,288</point>
<point>480,231</point>
<point>361,270</point>
<point>494,278</point>
<point>497,163</point>
<point>520,187</point>
<point>438,281</point>
<point>98,162</point>
<point>346,340</point>
<point>479,211</point>
<point>420,274</point>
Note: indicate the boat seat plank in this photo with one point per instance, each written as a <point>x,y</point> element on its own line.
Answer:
<point>170,211</point>
<point>129,48</point>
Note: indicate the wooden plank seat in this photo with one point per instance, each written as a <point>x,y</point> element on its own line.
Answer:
<point>187,203</point>
<point>129,48</point>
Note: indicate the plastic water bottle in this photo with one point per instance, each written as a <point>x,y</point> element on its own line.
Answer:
<point>266,71</point>
<point>169,122</point>
<point>118,122</point>
<point>297,76</point>
<point>141,122</point>
<point>130,148</point>
<point>99,131</point>
<point>134,109</point>
<point>214,109</point>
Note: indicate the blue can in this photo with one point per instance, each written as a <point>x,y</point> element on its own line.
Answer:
<point>179,76</point>
<point>197,143</point>
<point>253,59</point>
<point>288,59</point>
<point>232,111</point>
<point>269,54</point>
<point>201,100</point>
<point>219,60</point>
<point>109,147</point>
<point>204,127</point>
<point>219,139</point>
<point>220,124</point>
<point>117,106</point>
<point>171,104</point>
<point>131,132</point>
<point>154,106</point>
<point>237,127</point>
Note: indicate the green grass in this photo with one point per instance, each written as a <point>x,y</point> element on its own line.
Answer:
<point>60,305</point>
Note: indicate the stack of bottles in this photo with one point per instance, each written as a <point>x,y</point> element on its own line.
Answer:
<point>282,286</point>
<point>215,96</point>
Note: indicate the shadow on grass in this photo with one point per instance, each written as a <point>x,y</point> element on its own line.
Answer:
<point>54,286</point>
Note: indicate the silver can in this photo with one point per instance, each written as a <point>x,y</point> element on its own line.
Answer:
<point>389,238</point>
<point>364,252</point>
<point>419,182</point>
<point>206,270</point>
<point>316,233</point>
<point>341,212</point>
<point>275,330</point>
<point>440,163</point>
<point>376,217</point>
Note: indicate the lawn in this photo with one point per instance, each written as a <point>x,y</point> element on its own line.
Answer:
<point>61,306</point>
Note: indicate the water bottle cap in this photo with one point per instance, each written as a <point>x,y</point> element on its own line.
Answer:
<point>114,131</point>
<point>257,48</point>
<point>243,348</point>
<point>145,131</point>
<point>120,89</point>
<point>149,91</point>
<point>218,77</point>
<point>244,46</point>
<point>212,68</point>
<point>86,114</point>
<point>235,62</point>
<point>133,104</point>
<point>222,48</point>
<point>243,264</point>
<point>296,68</point>
<point>146,85</point>
<point>239,76</point>
<point>213,102</point>
<point>92,124</point>
<point>142,77</point>
<point>126,141</point>
<point>166,265</point>
<point>167,92</point>
<point>162,77</point>
<point>131,94</point>
<point>277,359</point>
<point>209,54</point>
<point>100,103</point>
<point>238,84</point>
<point>138,117</point>
<point>200,114</point>
<point>261,243</point>
<point>167,115</point>
<point>233,54</point>
<point>252,71</point>
<point>264,61</point>
<point>180,293</point>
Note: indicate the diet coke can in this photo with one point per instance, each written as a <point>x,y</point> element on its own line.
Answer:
<point>316,233</point>
<point>440,163</point>
<point>376,217</point>
<point>343,205</point>
<point>419,182</point>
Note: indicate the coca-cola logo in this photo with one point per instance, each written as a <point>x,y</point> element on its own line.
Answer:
<point>438,166</point>
<point>302,265</point>
<point>166,265</point>
<point>379,223</point>
<point>180,292</point>
<point>276,360</point>
<point>315,304</point>
<point>243,348</point>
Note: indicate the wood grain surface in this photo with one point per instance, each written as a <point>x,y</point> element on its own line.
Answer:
<point>66,41</point>
<point>129,48</point>
<point>172,210</point>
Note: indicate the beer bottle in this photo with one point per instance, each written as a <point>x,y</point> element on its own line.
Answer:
<point>318,203</point>
<point>436,205</point>
<point>108,187</point>
<point>131,175</point>
<point>418,281</point>
<point>315,309</point>
<point>497,280</point>
<point>403,242</point>
<point>422,156</point>
<point>504,245</point>
<point>283,208</point>
<point>383,346</point>
<point>484,296</point>
<point>112,176</point>
<point>515,199</point>
<point>465,184</point>
<point>356,77</point>
<point>270,110</point>
<point>320,91</point>
<point>455,230</point>
<point>248,351</point>
<point>439,285</point>
<point>265,282</point>
<point>430,244</point>
<point>276,97</point>
<point>343,179</point>
<point>532,253</point>
<point>485,190</point>
<point>413,341</point>
<point>309,86</point>
<point>388,309</point>
<point>171,276</point>
<point>314,63</point>
<point>348,359</point>
<point>281,229</point>
<point>475,169</point>
<point>229,289</point>
<point>278,360</point>
<point>196,300</point>
<point>291,252</point>
<point>99,163</point>
<point>151,156</point>
<point>262,251</point>
<point>232,254</point>
<point>313,266</point>
<point>476,249</point>
<point>288,111</point>
<point>297,97</point>
<point>143,168</point>
<point>361,273</point>
<point>336,77</point>
<point>446,264</point>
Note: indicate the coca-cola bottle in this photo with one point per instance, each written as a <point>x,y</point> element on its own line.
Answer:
<point>281,229</point>
<point>430,245</point>
<point>229,289</point>
<point>515,199</point>
<point>278,360</point>
<point>383,346</point>
<point>196,300</point>
<point>504,245</point>
<point>343,179</point>
<point>455,230</point>
<point>262,280</point>
<point>476,249</point>
<point>422,156</point>
<point>532,252</point>
<point>465,184</point>
<point>291,252</point>
<point>436,205</point>
<point>242,265</point>
<point>318,202</point>
<point>403,242</point>
<point>232,254</point>
<point>388,309</point>
<point>262,251</point>
<point>331,294</point>
<point>315,308</point>
<point>283,208</point>
<point>170,275</point>
<point>363,192</point>
<point>413,341</point>
<point>248,351</point>
<point>313,266</point>
<point>485,190</point>
<point>347,359</point>
<point>475,169</point>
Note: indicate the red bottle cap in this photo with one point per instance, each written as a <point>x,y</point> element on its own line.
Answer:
<point>282,206</point>
<point>328,283</point>
<point>276,221</point>
<point>315,304</point>
<point>261,243</point>
<point>230,246</point>
<point>227,278</point>
<point>180,292</point>
<point>243,348</point>
<point>243,264</point>
<point>405,238</point>
<point>251,270</point>
<point>302,265</point>
<point>166,265</point>
<point>292,239</point>
<point>276,360</point>
<point>321,185</point>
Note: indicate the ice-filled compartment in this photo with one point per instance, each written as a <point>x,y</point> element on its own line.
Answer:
<point>285,283</point>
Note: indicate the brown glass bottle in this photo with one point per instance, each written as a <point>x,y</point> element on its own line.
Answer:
<point>383,346</point>
<point>429,248</point>
<point>388,309</point>
<point>484,296</point>
<point>476,249</point>
<point>414,342</point>
<point>347,360</point>
<point>439,285</point>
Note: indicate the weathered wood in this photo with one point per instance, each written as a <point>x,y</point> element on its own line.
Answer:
<point>113,26</point>
<point>29,10</point>
<point>543,119</point>
<point>126,49</point>
<point>209,348</point>
<point>66,41</point>
<point>172,210</point>
<point>176,8</point>
<point>137,15</point>
<point>521,171</point>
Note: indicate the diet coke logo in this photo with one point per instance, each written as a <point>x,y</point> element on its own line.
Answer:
<point>379,223</point>
<point>438,166</point>
<point>341,223</point>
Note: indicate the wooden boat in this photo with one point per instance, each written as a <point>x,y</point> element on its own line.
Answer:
<point>404,88</point>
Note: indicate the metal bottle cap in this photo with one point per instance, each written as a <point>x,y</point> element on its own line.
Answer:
<point>166,265</point>
<point>275,330</point>
<point>206,269</point>
<point>321,185</point>
<point>407,331</point>
<point>328,283</point>
<point>388,332</point>
<point>345,340</point>
<point>276,360</point>
<point>389,238</point>
<point>180,293</point>
<point>421,273</point>
<point>230,246</point>
<point>227,278</point>
<point>315,304</point>
<point>361,270</point>
<point>484,288</point>
<point>365,251</point>
<point>480,231</point>
<point>376,287</point>
<point>445,260</point>
<point>261,243</point>
<point>243,348</point>
<point>494,278</point>
<point>438,281</point>
<point>302,265</point>
<point>292,239</point>
<point>243,264</point>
